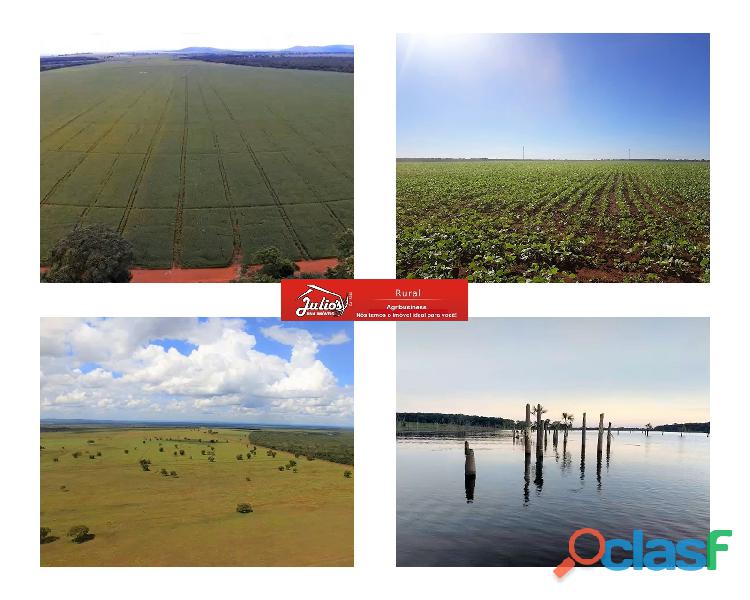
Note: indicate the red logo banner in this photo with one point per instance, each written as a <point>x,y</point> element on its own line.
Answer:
<point>374,300</point>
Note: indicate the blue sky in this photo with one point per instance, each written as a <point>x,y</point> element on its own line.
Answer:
<point>634,370</point>
<point>565,96</point>
<point>242,370</point>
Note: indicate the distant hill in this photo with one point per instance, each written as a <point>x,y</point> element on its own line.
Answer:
<point>333,49</point>
<point>202,50</point>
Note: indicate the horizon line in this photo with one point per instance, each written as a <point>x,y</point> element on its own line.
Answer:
<point>158,50</point>
<point>484,158</point>
<point>193,422</point>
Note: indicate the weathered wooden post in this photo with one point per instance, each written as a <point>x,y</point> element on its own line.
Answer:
<point>583,431</point>
<point>527,431</point>
<point>545,432</point>
<point>466,448</point>
<point>539,432</point>
<point>609,436</point>
<point>601,432</point>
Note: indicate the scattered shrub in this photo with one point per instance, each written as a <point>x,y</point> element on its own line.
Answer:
<point>182,453</point>
<point>55,459</point>
<point>281,468</point>
<point>144,462</point>
<point>249,455</point>
<point>45,537</point>
<point>348,474</point>
<point>244,508</point>
<point>92,457</point>
<point>173,473</point>
<point>211,459</point>
<point>76,454</point>
<point>239,457</point>
<point>164,472</point>
<point>161,449</point>
<point>126,451</point>
<point>80,534</point>
<point>91,441</point>
<point>98,453</point>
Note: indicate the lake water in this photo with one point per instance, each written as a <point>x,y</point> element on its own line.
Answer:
<point>659,484</point>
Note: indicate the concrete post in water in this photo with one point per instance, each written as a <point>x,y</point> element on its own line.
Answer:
<point>539,432</point>
<point>470,468</point>
<point>527,430</point>
<point>601,432</point>
<point>583,431</point>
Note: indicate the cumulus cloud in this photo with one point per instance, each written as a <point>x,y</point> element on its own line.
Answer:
<point>116,368</point>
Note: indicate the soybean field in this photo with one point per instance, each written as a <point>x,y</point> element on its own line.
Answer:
<point>554,221</point>
<point>198,164</point>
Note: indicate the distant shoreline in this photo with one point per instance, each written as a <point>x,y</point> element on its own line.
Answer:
<point>633,160</point>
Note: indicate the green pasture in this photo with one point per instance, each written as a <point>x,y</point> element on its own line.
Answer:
<point>145,518</point>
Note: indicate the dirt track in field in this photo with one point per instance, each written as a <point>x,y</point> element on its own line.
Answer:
<point>216,274</point>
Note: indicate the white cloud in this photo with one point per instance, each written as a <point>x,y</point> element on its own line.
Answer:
<point>93,366</point>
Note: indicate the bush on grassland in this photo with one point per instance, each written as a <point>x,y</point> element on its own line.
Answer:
<point>80,534</point>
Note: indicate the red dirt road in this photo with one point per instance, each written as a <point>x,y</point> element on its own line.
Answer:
<point>216,275</point>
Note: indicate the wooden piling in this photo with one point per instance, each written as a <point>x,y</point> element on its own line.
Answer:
<point>539,432</point>
<point>601,433</point>
<point>527,431</point>
<point>466,448</point>
<point>609,436</point>
<point>583,431</point>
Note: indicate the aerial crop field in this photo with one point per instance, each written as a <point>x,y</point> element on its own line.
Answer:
<point>198,164</point>
<point>184,510</point>
<point>541,221</point>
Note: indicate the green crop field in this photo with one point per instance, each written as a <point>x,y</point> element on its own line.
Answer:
<point>198,164</point>
<point>302,514</point>
<point>553,221</point>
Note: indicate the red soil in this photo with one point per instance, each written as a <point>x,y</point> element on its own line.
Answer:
<point>215,274</point>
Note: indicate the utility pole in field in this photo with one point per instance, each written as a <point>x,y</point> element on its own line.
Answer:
<point>628,153</point>
<point>523,152</point>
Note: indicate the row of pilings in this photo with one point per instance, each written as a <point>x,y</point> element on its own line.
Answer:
<point>542,429</point>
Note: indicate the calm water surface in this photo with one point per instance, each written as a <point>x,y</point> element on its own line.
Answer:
<point>506,517</point>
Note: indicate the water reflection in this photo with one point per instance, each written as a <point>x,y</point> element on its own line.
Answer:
<point>539,476</point>
<point>583,461</point>
<point>526,477</point>
<point>469,483</point>
<point>651,476</point>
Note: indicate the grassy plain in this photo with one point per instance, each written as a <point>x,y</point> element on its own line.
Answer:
<point>539,221</point>
<point>198,164</point>
<point>143,518</point>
